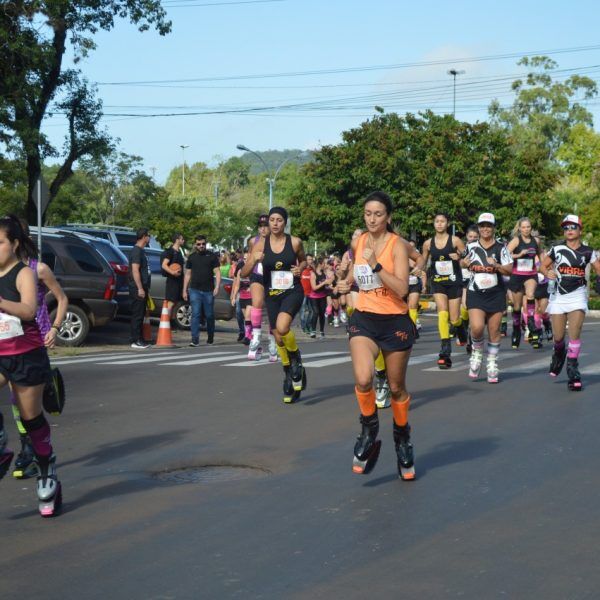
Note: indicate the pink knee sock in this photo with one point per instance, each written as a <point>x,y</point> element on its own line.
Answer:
<point>256,317</point>
<point>573,348</point>
<point>538,320</point>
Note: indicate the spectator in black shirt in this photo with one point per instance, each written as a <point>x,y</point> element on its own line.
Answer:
<point>171,263</point>
<point>139,284</point>
<point>201,269</point>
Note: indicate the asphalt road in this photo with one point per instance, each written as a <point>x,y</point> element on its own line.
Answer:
<point>505,504</point>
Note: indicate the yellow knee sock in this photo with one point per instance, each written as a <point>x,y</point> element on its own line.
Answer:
<point>349,310</point>
<point>444,324</point>
<point>380,362</point>
<point>289,339</point>
<point>283,354</point>
<point>457,323</point>
<point>17,417</point>
<point>464,313</point>
<point>414,313</point>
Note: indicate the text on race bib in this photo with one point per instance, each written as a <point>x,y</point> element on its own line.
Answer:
<point>524,264</point>
<point>366,279</point>
<point>444,267</point>
<point>10,327</point>
<point>282,280</point>
<point>484,281</point>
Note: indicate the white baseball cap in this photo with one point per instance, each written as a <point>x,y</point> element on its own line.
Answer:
<point>486,218</point>
<point>574,219</point>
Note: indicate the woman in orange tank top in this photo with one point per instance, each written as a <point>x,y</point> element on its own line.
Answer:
<point>380,321</point>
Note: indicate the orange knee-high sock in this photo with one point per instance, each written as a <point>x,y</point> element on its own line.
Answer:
<point>366,402</point>
<point>400,410</point>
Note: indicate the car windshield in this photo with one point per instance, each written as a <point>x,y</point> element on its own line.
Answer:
<point>110,253</point>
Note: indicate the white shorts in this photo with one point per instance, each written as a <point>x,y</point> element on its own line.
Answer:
<point>561,304</point>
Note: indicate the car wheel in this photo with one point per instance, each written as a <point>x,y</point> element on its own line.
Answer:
<point>182,315</point>
<point>75,327</point>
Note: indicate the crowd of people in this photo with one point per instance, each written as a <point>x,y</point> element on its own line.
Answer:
<point>373,289</point>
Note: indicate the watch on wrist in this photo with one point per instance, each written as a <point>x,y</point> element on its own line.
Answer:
<point>377,268</point>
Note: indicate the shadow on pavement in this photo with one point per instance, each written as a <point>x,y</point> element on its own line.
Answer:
<point>446,454</point>
<point>322,394</point>
<point>422,397</point>
<point>117,450</point>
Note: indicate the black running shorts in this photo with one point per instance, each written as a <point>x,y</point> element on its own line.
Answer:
<point>245,303</point>
<point>391,333</point>
<point>288,302</point>
<point>256,278</point>
<point>541,291</point>
<point>516,283</point>
<point>416,288</point>
<point>453,291</point>
<point>28,369</point>
<point>490,302</point>
<point>173,289</point>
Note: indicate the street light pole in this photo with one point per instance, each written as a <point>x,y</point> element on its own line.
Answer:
<point>454,73</point>
<point>270,179</point>
<point>183,147</point>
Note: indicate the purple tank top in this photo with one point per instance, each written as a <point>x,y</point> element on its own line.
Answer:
<point>42,317</point>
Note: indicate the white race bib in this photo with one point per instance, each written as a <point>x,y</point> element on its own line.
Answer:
<point>484,281</point>
<point>282,280</point>
<point>524,264</point>
<point>466,274</point>
<point>444,267</point>
<point>413,280</point>
<point>10,327</point>
<point>366,279</point>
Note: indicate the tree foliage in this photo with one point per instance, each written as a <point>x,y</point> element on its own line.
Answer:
<point>427,163</point>
<point>34,37</point>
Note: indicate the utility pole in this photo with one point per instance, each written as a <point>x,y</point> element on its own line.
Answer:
<point>183,147</point>
<point>454,73</point>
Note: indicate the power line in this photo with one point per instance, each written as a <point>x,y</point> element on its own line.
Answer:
<point>363,69</point>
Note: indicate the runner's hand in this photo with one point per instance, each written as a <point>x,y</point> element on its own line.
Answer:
<point>343,287</point>
<point>296,271</point>
<point>550,274</point>
<point>258,256</point>
<point>50,338</point>
<point>141,293</point>
<point>454,256</point>
<point>369,256</point>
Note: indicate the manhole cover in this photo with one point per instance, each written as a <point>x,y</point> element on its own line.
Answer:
<point>211,474</point>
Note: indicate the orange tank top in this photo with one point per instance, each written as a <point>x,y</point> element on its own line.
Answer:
<point>373,296</point>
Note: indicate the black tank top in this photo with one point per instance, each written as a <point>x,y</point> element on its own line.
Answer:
<point>442,273</point>
<point>8,284</point>
<point>284,261</point>
<point>533,250</point>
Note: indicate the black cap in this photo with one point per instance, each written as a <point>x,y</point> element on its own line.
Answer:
<point>263,220</point>
<point>280,211</point>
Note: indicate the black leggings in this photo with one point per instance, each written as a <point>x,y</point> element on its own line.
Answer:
<point>319,305</point>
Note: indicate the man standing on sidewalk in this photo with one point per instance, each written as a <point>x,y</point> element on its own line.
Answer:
<point>306,308</point>
<point>171,263</point>
<point>139,284</point>
<point>201,269</point>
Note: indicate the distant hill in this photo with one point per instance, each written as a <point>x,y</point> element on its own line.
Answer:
<point>274,158</point>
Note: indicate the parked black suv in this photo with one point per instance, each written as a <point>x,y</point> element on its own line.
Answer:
<point>87,279</point>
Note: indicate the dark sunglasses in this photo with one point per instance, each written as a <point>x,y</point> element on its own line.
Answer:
<point>200,243</point>
<point>570,227</point>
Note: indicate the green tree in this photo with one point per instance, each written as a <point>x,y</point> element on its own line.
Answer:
<point>34,38</point>
<point>427,163</point>
<point>544,110</point>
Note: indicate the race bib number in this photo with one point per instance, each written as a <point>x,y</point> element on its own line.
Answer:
<point>413,280</point>
<point>485,281</point>
<point>366,279</point>
<point>444,267</point>
<point>524,264</point>
<point>282,280</point>
<point>10,327</point>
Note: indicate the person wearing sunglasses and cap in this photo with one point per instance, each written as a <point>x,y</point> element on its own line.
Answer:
<point>487,260</point>
<point>283,260</point>
<point>565,265</point>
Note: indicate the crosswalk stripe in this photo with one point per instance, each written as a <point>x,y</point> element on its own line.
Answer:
<point>198,361</point>
<point>591,370</point>
<point>327,362</point>
<point>265,361</point>
<point>72,361</point>
<point>149,359</point>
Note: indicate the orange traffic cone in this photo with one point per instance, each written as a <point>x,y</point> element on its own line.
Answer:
<point>147,328</point>
<point>164,339</point>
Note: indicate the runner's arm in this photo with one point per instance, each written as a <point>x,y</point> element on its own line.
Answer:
<point>27,307</point>
<point>255,255</point>
<point>46,275</point>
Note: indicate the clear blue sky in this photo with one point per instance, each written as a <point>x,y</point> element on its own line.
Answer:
<point>307,35</point>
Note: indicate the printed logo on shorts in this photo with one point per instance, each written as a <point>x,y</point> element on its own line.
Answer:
<point>402,335</point>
